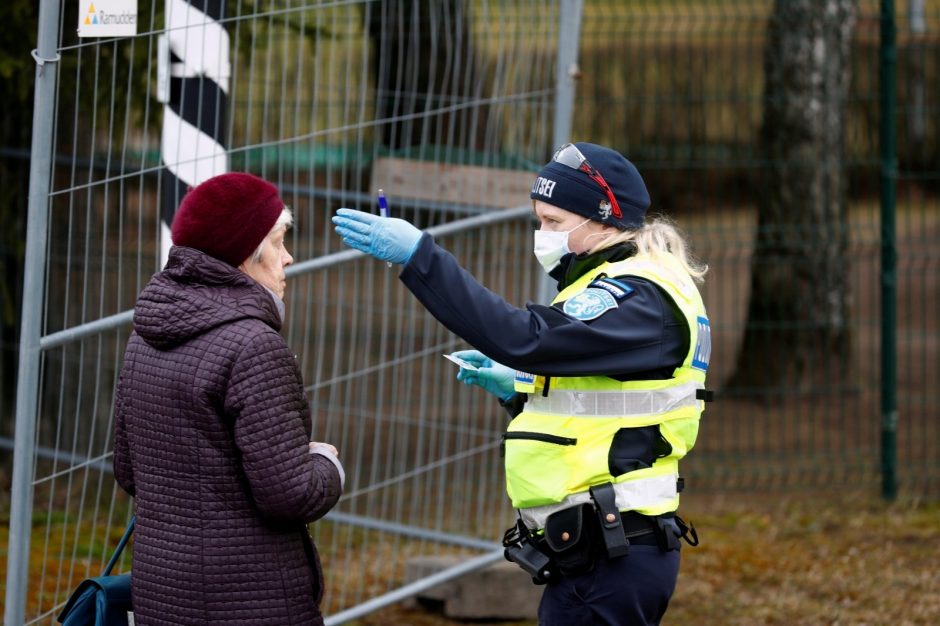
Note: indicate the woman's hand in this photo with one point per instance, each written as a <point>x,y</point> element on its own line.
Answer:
<point>491,376</point>
<point>386,238</point>
<point>318,446</point>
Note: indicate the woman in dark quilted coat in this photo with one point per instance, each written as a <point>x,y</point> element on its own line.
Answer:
<point>212,426</point>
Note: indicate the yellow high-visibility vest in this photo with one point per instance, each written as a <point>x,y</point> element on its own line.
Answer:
<point>558,447</point>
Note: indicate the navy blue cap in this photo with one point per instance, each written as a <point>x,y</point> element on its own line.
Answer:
<point>575,191</point>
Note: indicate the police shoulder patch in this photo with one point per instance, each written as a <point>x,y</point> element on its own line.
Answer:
<point>618,289</point>
<point>589,304</point>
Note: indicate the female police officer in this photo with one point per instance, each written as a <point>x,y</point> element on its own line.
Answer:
<point>606,386</point>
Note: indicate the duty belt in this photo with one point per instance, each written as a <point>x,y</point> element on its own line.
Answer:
<point>631,494</point>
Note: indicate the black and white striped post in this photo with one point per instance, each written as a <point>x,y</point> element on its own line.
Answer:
<point>193,84</point>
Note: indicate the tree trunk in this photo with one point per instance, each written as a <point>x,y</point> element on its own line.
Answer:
<point>797,330</point>
<point>425,63</point>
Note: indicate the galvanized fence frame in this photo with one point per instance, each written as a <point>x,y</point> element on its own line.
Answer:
<point>27,382</point>
<point>35,343</point>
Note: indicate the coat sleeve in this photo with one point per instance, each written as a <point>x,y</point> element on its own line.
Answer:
<point>266,403</point>
<point>123,469</point>
<point>641,334</point>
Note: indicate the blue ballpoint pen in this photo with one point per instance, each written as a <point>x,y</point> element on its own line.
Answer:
<point>383,211</point>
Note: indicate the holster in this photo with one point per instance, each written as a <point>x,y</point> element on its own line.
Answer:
<point>520,548</point>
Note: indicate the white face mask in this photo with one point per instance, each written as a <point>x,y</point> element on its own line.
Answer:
<point>551,245</point>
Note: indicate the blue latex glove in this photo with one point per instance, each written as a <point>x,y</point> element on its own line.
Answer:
<point>492,376</point>
<point>385,238</point>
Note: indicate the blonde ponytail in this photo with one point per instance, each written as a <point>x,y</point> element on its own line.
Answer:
<point>659,236</point>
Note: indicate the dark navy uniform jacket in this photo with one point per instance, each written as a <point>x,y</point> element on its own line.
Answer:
<point>643,337</point>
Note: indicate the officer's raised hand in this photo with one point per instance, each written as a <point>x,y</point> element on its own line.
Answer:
<point>491,376</point>
<point>386,238</point>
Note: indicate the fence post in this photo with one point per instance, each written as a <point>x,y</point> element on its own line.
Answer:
<point>889,171</point>
<point>569,36</point>
<point>34,278</point>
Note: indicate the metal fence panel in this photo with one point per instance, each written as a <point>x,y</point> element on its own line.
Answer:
<point>322,96</point>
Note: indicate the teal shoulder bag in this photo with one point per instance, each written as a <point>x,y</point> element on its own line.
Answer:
<point>104,600</point>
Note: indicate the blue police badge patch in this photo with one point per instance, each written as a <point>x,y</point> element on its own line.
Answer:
<point>590,304</point>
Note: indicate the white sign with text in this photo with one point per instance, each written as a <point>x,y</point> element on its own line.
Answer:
<point>107,18</point>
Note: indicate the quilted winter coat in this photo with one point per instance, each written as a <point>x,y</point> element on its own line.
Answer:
<point>211,438</point>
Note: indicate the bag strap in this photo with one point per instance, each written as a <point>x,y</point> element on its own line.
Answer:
<point>120,546</point>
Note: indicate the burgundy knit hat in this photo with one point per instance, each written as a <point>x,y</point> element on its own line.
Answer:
<point>227,216</point>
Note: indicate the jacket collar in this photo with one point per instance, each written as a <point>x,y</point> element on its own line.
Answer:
<point>572,266</point>
<point>196,292</point>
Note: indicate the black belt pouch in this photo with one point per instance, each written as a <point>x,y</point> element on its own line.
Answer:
<point>571,539</point>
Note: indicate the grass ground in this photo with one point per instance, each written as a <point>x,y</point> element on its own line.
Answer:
<point>796,559</point>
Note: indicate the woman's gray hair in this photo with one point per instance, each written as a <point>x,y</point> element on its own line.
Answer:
<point>657,237</point>
<point>284,220</point>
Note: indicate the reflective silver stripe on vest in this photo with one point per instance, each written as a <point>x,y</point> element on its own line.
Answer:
<point>631,402</point>
<point>640,493</point>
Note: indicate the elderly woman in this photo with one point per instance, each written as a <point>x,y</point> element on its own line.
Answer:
<point>212,427</point>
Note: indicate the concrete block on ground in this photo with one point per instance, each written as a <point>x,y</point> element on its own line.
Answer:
<point>499,591</point>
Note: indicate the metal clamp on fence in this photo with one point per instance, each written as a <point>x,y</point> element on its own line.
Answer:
<point>40,61</point>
